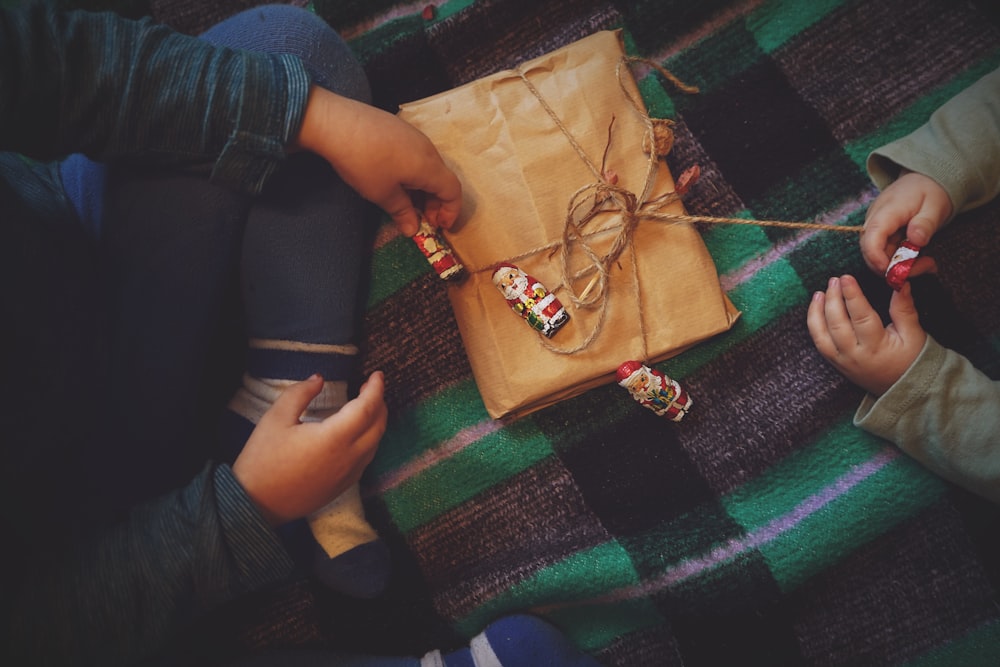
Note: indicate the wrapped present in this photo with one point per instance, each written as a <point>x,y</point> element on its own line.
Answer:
<point>562,180</point>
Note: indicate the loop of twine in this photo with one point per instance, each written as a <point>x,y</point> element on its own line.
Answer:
<point>605,196</point>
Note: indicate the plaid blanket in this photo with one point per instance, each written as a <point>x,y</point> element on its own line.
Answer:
<point>764,528</point>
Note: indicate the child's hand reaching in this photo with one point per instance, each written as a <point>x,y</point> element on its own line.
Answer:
<point>914,206</point>
<point>381,156</point>
<point>291,469</point>
<point>849,334</point>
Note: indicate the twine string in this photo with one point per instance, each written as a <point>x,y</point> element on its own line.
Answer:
<point>604,195</point>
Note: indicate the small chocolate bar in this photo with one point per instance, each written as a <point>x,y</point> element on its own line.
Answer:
<point>901,264</point>
<point>530,299</point>
<point>654,390</point>
<point>437,251</point>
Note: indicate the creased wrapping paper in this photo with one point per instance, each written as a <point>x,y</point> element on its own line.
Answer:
<point>519,171</point>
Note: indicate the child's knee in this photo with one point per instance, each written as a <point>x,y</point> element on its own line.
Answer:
<point>292,30</point>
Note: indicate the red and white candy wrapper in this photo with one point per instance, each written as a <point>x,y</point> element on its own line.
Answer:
<point>437,251</point>
<point>654,390</point>
<point>530,299</point>
<point>901,264</point>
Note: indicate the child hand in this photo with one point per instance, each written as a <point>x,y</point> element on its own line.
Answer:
<point>381,156</point>
<point>291,469</point>
<point>914,202</point>
<point>848,333</point>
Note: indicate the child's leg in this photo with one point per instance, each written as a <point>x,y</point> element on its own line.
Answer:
<point>301,267</point>
<point>170,248</point>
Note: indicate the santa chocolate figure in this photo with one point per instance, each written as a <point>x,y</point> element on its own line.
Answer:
<point>528,298</point>
<point>900,264</point>
<point>654,390</point>
<point>438,252</point>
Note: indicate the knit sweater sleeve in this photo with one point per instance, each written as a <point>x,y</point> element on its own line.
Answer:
<point>958,147</point>
<point>109,87</point>
<point>122,595</point>
<point>944,413</point>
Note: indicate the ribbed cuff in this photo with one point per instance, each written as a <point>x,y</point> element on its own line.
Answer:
<point>275,93</point>
<point>258,553</point>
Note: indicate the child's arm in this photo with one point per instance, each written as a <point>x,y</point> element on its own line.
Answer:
<point>945,414</point>
<point>181,555</point>
<point>120,596</point>
<point>381,156</point>
<point>930,401</point>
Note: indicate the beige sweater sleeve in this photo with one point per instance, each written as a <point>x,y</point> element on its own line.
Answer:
<point>959,147</point>
<point>944,413</point>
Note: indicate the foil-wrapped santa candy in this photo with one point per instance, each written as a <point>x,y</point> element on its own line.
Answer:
<point>530,299</point>
<point>901,264</point>
<point>654,390</point>
<point>437,251</point>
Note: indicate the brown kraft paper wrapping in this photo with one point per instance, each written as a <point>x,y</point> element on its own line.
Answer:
<point>519,171</point>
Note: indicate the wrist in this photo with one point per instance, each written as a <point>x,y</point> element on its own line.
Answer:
<point>316,122</point>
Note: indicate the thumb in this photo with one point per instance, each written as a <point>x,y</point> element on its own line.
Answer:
<point>920,230</point>
<point>934,211</point>
<point>294,400</point>
<point>903,311</point>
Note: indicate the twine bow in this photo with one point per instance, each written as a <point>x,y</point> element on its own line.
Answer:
<point>604,195</point>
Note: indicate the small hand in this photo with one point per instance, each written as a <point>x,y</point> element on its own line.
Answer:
<point>914,207</point>
<point>382,157</point>
<point>849,334</point>
<point>291,469</point>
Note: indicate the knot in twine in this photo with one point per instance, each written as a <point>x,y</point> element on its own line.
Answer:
<point>604,195</point>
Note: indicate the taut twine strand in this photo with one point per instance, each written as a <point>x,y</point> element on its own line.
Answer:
<point>604,195</point>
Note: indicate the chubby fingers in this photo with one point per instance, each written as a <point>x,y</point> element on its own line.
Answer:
<point>881,236</point>
<point>443,208</point>
<point>400,208</point>
<point>865,322</point>
<point>362,421</point>
<point>903,313</point>
<point>294,400</point>
<point>834,322</point>
<point>914,205</point>
<point>842,319</point>
<point>818,326</point>
<point>443,199</point>
<point>442,205</point>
